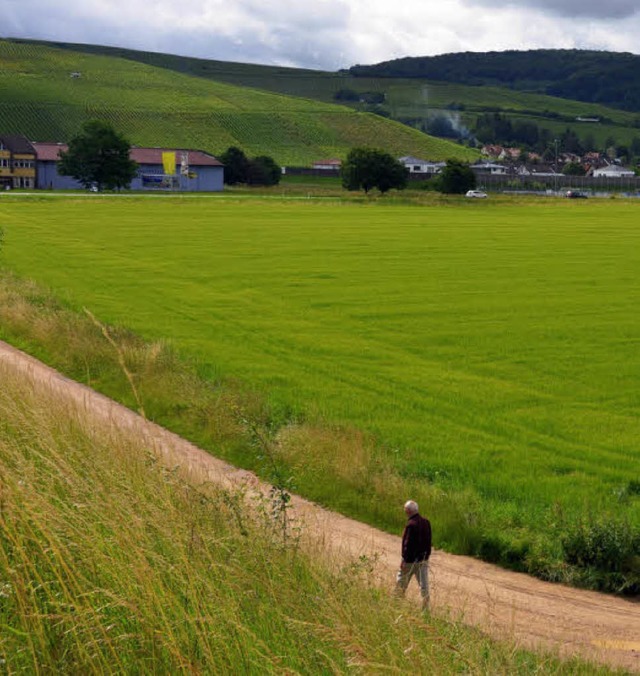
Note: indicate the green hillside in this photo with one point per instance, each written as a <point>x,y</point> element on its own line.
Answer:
<point>154,106</point>
<point>412,99</point>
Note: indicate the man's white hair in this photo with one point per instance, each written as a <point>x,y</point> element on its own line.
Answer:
<point>411,507</point>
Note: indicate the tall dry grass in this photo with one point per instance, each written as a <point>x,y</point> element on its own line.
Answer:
<point>111,563</point>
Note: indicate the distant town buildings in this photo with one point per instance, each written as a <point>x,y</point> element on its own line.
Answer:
<point>504,166</point>
<point>26,164</point>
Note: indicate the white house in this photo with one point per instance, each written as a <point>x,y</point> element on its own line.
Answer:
<point>489,168</point>
<point>613,171</point>
<point>418,166</point>
<point>537,170</point>
<point>328,165</point>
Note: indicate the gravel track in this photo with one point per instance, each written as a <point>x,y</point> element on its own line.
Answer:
<point>502,603</point>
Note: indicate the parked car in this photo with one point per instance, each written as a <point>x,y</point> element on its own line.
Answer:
<point>576,194</point>
<point>476,193</point>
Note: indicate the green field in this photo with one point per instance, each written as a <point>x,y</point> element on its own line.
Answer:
<point>490,350</point>
<point>158,107</point>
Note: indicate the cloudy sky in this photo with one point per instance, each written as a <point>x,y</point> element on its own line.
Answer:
<point>327,34</point>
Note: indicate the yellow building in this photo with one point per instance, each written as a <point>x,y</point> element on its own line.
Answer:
<point>17,162</point>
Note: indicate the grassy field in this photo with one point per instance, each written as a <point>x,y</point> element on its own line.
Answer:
<point>483,356</point>
<point>111,563</point>
<point>154,106</point>
<point>404,98</point>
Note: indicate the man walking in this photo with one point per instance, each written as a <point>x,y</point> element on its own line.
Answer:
<point>416,549</point>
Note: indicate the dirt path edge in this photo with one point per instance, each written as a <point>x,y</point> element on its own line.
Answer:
<point>502,603</point>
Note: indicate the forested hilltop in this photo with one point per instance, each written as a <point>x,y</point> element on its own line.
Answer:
<point>608,78</point>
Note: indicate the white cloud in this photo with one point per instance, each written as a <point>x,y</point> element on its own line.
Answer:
<point>326,33</point>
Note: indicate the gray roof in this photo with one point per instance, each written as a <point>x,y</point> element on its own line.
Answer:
<point>17,144</point>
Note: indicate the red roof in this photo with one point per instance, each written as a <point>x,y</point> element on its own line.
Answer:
<point>154,156</point>
<point>49,152</point>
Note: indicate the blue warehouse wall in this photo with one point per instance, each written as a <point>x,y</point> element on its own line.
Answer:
<point>201,179</point>
<point>48,178</point>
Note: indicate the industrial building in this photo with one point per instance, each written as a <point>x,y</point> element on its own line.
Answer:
<point>27,164</point>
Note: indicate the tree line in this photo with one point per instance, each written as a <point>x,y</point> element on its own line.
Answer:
<point>609,78</point>
<point>99,156</point>
<point>368,168</point>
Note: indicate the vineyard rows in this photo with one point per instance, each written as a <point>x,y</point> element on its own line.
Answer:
<point>49,93</point>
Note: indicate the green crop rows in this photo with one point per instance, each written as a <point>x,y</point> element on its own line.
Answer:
<point>157,107</point>
<point>404,98</point>
<point>491,350</point>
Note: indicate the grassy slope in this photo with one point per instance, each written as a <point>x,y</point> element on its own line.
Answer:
<point>111,564</point>
<point>489,348</point>
<point>154,106</point>
<point>405,98</point>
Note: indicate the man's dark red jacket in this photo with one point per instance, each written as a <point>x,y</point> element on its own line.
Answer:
<point>416,539</point>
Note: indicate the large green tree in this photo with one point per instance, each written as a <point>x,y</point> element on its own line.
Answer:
<point>236,166</point>
<point>367,168</point>
<point>99,156</point>
<point>456,178</point>
<point>264,170</point>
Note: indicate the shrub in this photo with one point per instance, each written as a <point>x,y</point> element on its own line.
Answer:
<point>511,554</point>
<point>456,178</point>
<point>263,170</point>
<point>606,554</point>
<point>367,168</point>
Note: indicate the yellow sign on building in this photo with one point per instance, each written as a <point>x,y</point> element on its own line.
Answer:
<point>169,163</point>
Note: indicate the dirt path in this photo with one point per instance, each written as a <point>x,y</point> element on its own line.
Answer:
<point>501,603</point>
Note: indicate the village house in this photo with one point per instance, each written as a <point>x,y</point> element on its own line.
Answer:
<point>418,166</point>
<point>570,158</point>
<point>612,171</point>
<point>17,162</point>
<point>537,170</point>
<point>328,165</point>
<point>492,150</point>
<point>492,168</point>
